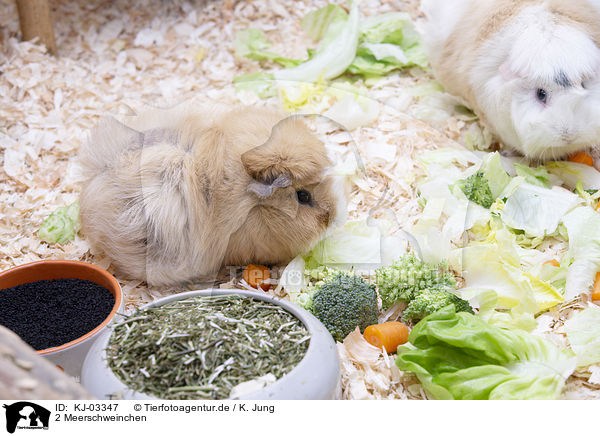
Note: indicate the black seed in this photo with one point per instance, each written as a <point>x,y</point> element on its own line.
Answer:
<point>49,313</point>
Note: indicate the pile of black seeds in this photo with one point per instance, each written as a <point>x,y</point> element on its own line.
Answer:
<point>49,313</point>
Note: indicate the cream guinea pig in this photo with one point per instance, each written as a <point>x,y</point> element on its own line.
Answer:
<point>529,68</point>
<point>176,194</point>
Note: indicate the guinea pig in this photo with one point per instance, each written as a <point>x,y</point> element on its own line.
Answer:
<point>176,194</point>
<point>528,68</point>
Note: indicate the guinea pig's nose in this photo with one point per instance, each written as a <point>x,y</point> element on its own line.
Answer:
<point>567,135</point>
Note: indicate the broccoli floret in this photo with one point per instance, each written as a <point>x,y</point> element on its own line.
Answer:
<point>477,189</point>
<point>407,277</point>
<point>344,302</point>
<point>430,301</point>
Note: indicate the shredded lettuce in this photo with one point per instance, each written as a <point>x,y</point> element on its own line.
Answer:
<point>353,111</point>
<point>535,176</point>
<point>478,138</point>
<point>303,95</point>
<point>498,266</point>
<point>497,177</point>
<point>583,229</point>
<point>62,225</point>
<point>583,332</point>
<point>331,59</point>
<point>537,210</point>
<point>460,356</point>
<point>387,42</point>
<point>375,47</point>
<point>252,44</point>
<point>324,21</point>
<point>571,173</point>
<point>262,84</point>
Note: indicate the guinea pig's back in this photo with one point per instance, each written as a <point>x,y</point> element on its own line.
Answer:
<point>142,199</point>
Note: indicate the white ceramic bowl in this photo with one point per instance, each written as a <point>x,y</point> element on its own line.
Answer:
<point>316,377</point>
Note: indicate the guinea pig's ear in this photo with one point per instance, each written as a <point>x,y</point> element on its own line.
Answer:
<point>265,189</point>
<point>116,129</point>
<point>291,151</point>
<point>507,71</point>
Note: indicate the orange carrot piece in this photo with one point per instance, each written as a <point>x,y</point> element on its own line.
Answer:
<point>255,275</point>
<point>553,262</point>
<point>582,158</point>
<point>596,291</point>
<point>388,335</point>
<point>598,207</point>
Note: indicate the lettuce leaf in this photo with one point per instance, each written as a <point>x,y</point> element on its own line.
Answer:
<point>583,229</point>
<point>498,179</point>
<point>361,246</point>
<point>536,176</point>
<point>583,332</point>
<point>252,44</point>
<point>498,267</point>
<point>388,42</point>
<point>62,225</point>
<point>353,111</point>
<point>333,57</point>
<point>322,22</point>
<point>460,356</point>
<point>571,173</point>
<point>537,210</point>
<point>262,84</point>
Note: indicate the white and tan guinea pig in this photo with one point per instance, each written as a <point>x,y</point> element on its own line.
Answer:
<point>529,68</point>
<point>177,194</point>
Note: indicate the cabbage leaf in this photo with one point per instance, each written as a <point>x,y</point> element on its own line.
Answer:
<point>583,332</point>
<point>61,226</point>
<point>460,356</point>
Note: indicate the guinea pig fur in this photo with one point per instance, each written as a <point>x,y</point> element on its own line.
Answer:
<point>529,68</point>
<point>176,194</point>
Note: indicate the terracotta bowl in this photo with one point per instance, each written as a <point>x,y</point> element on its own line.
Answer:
<point>69,356</point>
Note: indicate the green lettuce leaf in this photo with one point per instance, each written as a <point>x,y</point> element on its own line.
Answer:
<point>460,356</point>
<point>324,21</point>
<point>252,44</point>
<point>332,57</point>
<point>262,84</point>
<point>536,176</point>
<point>61,226</point>
<point>388,42</point>
<point>497,177</point>
<point>497,266</point>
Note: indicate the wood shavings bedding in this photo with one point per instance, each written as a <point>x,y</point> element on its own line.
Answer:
<point>117,57</point>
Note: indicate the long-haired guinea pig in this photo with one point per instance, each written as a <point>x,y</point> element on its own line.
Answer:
<point>529,68</point>
<point>177,194</point>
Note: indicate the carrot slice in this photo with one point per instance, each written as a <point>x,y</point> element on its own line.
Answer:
<point>553,262</point>
<point>255,275</point>
<point>388,335</point>
<point>596,291</point>
<point>582,158</point>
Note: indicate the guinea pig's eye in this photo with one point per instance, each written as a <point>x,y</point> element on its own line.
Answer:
<point>303,196</point>
<point>541,95</point>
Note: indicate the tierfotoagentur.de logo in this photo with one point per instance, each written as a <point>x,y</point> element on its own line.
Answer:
<point>26,415</point>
